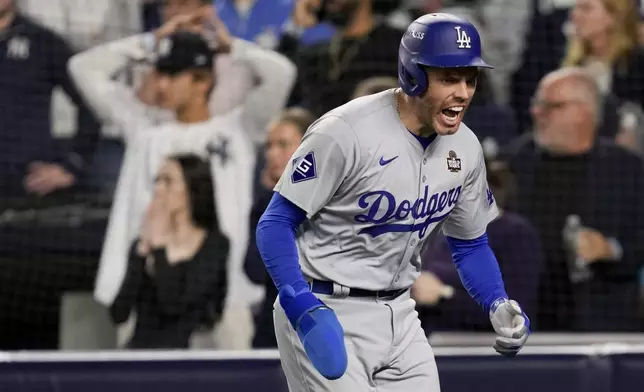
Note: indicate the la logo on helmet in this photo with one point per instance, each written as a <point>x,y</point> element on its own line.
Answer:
<point>462,38</point>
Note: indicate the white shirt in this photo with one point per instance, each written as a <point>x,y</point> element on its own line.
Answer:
<point>152,135</point>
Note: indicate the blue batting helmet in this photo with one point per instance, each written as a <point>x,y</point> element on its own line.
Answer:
<point>436,40</point>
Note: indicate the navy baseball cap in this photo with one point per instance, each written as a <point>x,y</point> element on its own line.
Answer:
<point>182,51</point>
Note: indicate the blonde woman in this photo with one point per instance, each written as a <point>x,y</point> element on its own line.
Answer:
<point>600,35</point>
<point>604,40</point>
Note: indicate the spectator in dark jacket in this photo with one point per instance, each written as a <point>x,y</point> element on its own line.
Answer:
<point>564,170</point>
<point>284,136</point>
<point>443,302</point>
<point>33,61</point>
<point>176,278</point>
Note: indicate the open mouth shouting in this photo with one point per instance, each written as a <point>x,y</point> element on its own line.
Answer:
<point>451,116</point>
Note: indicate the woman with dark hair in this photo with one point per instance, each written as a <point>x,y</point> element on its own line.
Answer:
<point>176,277</point>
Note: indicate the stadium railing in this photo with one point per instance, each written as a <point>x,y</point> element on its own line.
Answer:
<point>575,367</point>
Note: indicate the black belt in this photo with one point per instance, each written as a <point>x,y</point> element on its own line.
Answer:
<point>322,287</point>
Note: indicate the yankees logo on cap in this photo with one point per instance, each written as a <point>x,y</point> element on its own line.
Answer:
<point>182,51</point>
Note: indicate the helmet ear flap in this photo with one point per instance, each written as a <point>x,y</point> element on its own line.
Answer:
<point>413,79</point>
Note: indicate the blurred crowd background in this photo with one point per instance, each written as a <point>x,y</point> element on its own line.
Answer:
<point>560,119</point>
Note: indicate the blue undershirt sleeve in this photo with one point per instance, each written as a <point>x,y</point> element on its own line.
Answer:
<point>276,242</point>
<point>478,269</point>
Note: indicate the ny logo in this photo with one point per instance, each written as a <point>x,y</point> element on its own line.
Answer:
<point>18,48</point>
<point>462,38</point>
<point>220,149</point>
<point>164,47</point>
<point>304,168</point>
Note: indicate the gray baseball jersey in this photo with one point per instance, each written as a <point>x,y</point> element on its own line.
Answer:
<point>373,195</point>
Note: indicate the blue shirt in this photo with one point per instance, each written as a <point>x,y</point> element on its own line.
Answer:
<point>264,22</point>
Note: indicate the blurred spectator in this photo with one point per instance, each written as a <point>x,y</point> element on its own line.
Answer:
<point>235,75</point>
<point>85,23</point>
<point>262,21</point>
<point>443,302</point>
<point>374,85</point>
<point>565,173</point>
<point>284,136</point>
<point>176,276</point>
<point>182,82</point>
<point>234,81</point>
<point>34,62</point>
<point>329,72</point>
<point>599,35</point>
<point>545,47</point>
<point>605,42</point>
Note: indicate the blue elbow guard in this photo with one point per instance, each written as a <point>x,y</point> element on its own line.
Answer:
<point>319,330</point>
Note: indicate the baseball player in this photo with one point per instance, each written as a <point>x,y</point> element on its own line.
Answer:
<point>372,181</point>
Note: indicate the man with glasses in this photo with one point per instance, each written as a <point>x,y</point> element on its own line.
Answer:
<point>583,195</point>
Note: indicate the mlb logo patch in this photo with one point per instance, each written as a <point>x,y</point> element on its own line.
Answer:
<point>304,168</point>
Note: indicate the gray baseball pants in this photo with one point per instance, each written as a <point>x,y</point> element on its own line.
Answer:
<point>387,349</point>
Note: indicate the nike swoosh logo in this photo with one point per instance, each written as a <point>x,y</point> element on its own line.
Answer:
<point>384,162</point>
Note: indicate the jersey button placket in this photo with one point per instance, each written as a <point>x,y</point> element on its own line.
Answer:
<point>411,241</point>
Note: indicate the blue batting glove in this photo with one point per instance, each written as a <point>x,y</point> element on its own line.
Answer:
<point>511,324</point>
<point>319,331</point>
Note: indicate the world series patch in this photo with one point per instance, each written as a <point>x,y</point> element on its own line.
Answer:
<point>453,162</point>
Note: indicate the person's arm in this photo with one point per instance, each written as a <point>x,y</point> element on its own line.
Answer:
<point>327,155</point>
<point>275,236</point>
<point>324,158</point>
<point>478,269</point>
<point>76,158</point>
<point>275,76</point>
<point>253,265</point>
<point>93,71</point>
<point>126,299</point>
<point>465,230</point>
<point>176,295</point>
<point>458,311</point>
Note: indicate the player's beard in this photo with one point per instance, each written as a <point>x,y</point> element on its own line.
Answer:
<point>427,114</point>
<point>438,122</point>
